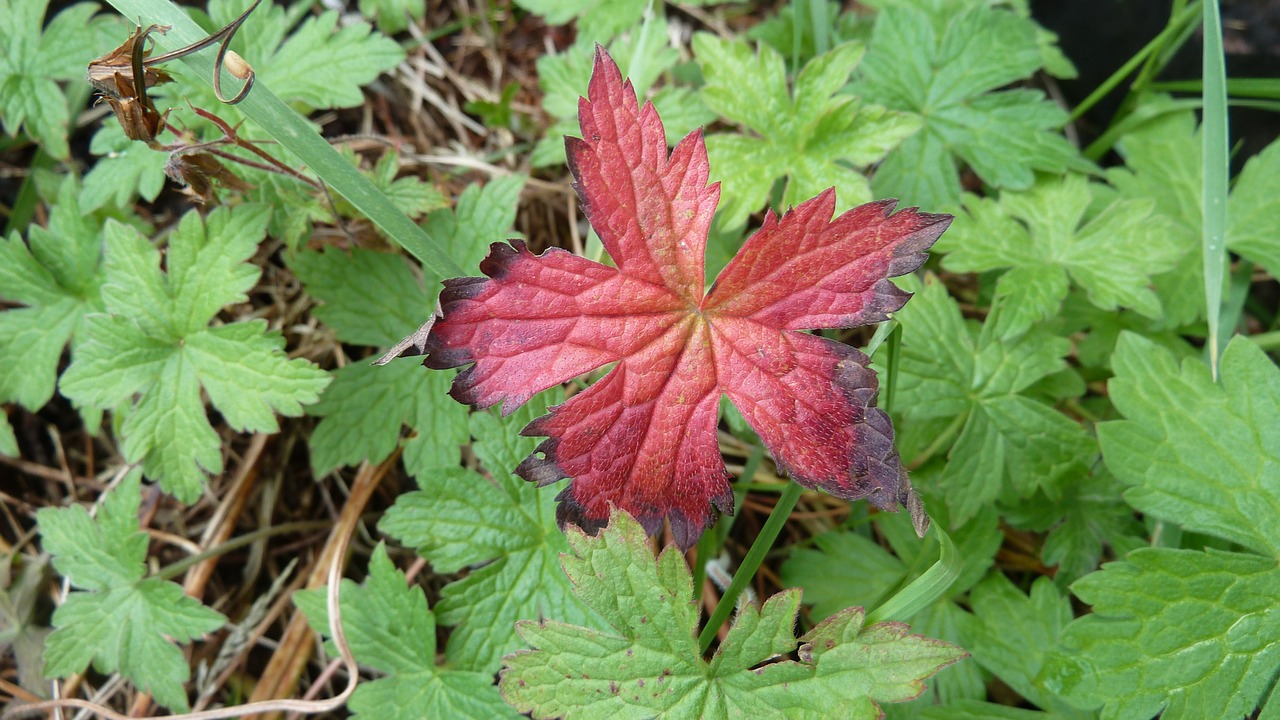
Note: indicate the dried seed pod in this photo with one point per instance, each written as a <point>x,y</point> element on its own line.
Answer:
<point>237,65</point>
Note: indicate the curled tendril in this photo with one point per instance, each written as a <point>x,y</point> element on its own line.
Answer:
<point>241,70</point>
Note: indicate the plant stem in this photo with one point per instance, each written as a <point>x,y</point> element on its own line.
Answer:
<point>1175,25</point>
<point>747,570</point>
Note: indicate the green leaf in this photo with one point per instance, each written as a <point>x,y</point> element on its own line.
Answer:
<point>779,30</point>
<point>155,342</point>
<point>32,61</point>
<point>1089,514</point>
<point>1200,455</point>
<point>390,628</point>
<point>1205,456</point>
<point>387,302</point>
<point>648,663</point>
<point>643,56</point>
<point>392,16</point>
<point>504,528</point>
<point>365,407</point>
<point>1253,207</point>
<point>123,622</point>
<point>1163,163</point>
<point>850,569</point>
<point>810,134</point>
<point>599,21</point>
<point>57,276</point>
<point>8,442</point>
<point>943,64</point>
<point>1013,635</point>
<point>1177,633</point>
<point>1050,234</point>
<point>975,710</point>
<point>847,568</point>
<point>483,216</point>
<point>1006,444</point>
<point>124,169</point>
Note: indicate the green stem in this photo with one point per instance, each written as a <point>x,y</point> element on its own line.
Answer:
<point>1174,26</point>
<point>1160,54</point>
<point>1268,341</point>
<point>24,206</point>
<point>747,570</point>
<point>931,586</point>
<point>709,543</point>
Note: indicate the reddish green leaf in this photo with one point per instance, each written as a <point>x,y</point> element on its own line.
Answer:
<point>644,437</point>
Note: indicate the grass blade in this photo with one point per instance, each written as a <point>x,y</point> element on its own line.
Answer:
<point>926,589</point>
<point>747,569</point>
<point>1215,152</point>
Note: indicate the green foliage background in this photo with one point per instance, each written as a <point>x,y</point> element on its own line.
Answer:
<point>1097,438</point>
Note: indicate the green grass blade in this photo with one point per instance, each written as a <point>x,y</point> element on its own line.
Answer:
<point>294,134</point>
<point>926,589</point>
<point>1217,160</point>
<point>820,18</point>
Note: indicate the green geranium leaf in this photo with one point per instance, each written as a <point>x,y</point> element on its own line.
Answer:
<point>1205,456</point>
<point>1051,238</point>
<point>1207,637</point>
<point>119,621</point>
<point>648,662</point>
<point>599,21</point>
<point>1088,515</point>
<point>390,628</point>
<point>366,407</point>
<point>1162,163</point>
<point>155,342</point>
<point>810,134</point>
<point>850,569</point>
<point>1013,634</point>
<point>387,303</point>
<point>943,63</point>
<point>954,375</point>
<point>483,216</point>
<point>34,57</point>
<point>124,169</point>
<point>56,275</point>
<point>504,525</point>
<point>392,16</point>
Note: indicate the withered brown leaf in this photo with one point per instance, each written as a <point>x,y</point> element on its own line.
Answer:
<point>115,76</point>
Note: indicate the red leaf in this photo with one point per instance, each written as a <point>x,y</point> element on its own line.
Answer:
<point>644,437</point>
